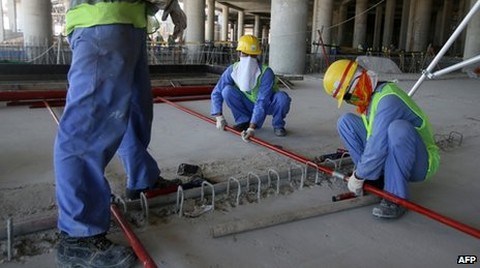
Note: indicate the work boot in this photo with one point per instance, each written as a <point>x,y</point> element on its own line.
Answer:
<point>94,251</point>
<point>241,127</point>
<point>161,183</point>
<point>388,210</point>
<point>280,131</point>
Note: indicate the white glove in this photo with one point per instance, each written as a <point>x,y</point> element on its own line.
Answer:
<point>247,134</point>
<point>355,185</point>
<point>221,122</point>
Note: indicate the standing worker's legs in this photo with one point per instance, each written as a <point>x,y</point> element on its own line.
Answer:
<point>242,108</point>
<point>142,170</point>
<point>279,109</point>
<point>91,129</point>
<point>353,134</point>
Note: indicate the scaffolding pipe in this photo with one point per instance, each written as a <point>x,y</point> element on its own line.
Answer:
<point>368,188</point>
<point>137,246</point>
<point>445,47</point>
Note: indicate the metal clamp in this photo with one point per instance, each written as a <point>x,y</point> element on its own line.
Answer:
<point>270,171</point>
<point>259,182</point>
<point>239,190</point>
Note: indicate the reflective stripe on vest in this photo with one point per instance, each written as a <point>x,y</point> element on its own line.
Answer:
<point>425,130</point>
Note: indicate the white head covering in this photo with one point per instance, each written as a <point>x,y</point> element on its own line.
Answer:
<point>245,73</point>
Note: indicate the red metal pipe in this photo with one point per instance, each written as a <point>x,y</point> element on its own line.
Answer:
<point>368,188</point>
<point>19,95</point>
<point>137,246</point>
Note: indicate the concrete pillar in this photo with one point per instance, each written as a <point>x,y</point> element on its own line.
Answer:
<point>388,23</point>
<point>342,16</point>
<point>265,33</point>
<point>2,29</point>
<point>421,28</point>
<point>195,32</point>
<point>224,33</point>
<point>210,28</point>
<point>12,15</point>
<point>402,41</point>
<point>256,26</point>
<point>472,41</point>
<point>288,35</point>
<point>445,21</point>
<point>322,20</point>
<point>360,28</point>
<point>410,29</point>
<point>37,22</point>
<point>240,24</point>
<point>377,27</point>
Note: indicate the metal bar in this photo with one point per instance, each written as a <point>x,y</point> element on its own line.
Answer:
<point>445,47</point>
<point>454,67</point>
<point>407,204</point>
<point>137,246</point>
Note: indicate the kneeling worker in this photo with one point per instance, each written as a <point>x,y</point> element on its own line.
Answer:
<point>392,137</point>
<point>249,89</point>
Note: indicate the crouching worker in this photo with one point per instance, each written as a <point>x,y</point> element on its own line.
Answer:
<point>249,89</point>
<point>391,139</point>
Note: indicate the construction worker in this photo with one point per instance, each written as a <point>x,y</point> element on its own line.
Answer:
<point>249,89</point>
<point>391,139</point>
<point>109,108</point>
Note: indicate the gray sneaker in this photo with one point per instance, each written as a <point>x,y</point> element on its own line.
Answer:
<point>94,251</point>
<point>388,210</point>
<point>280,131</point>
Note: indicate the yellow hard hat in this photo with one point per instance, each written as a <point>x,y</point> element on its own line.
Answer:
<point>338,77</point>
<point>249,44</point>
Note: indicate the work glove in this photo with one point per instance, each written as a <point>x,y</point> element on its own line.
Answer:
<point>247,134</point>
<point>355,185</point>
<point>221,122</point>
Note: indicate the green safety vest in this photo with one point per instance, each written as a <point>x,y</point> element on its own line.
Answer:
<point>252,95</point>
<point>84,13</point>
<point>425,130</point>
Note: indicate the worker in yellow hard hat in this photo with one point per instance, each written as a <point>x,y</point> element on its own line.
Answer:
<point>391,138</point>
<point>249,89</point>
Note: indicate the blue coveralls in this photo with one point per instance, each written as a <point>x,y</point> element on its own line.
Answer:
<point>395,149</point>
<point>268,102</point>
<point>109,109</point>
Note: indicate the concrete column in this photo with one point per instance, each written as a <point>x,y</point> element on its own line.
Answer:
<point>288,35</point>
<point>265,32</point>
<point>12,15</point>
<point>210,28</point>
<point>378,27</point>
<point>256,26</point>
<point>360,28</point>
<point>402,41</point>
<point>37,22</point>
<point>421,28</point>
<point>2,29</point>
<point>234,31</point>
<point>342,16</point>
<point>195,32</point>
<point>410,29</point>
<point>445,21</point>
<point>240,24</point>
<point>472,41</point>
<point>224,33</point>
<point>322,19</point>
<point>388,23</point>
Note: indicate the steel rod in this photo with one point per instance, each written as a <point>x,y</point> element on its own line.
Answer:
<point>137,246</point>
<point>445,47</point>
<point>407,204</point>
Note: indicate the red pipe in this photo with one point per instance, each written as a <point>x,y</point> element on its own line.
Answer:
<point>19,95</point>
<point>368,188</point>
<point>137,246</point>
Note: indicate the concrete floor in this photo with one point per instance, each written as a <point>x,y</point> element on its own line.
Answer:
<point>344,239</point>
